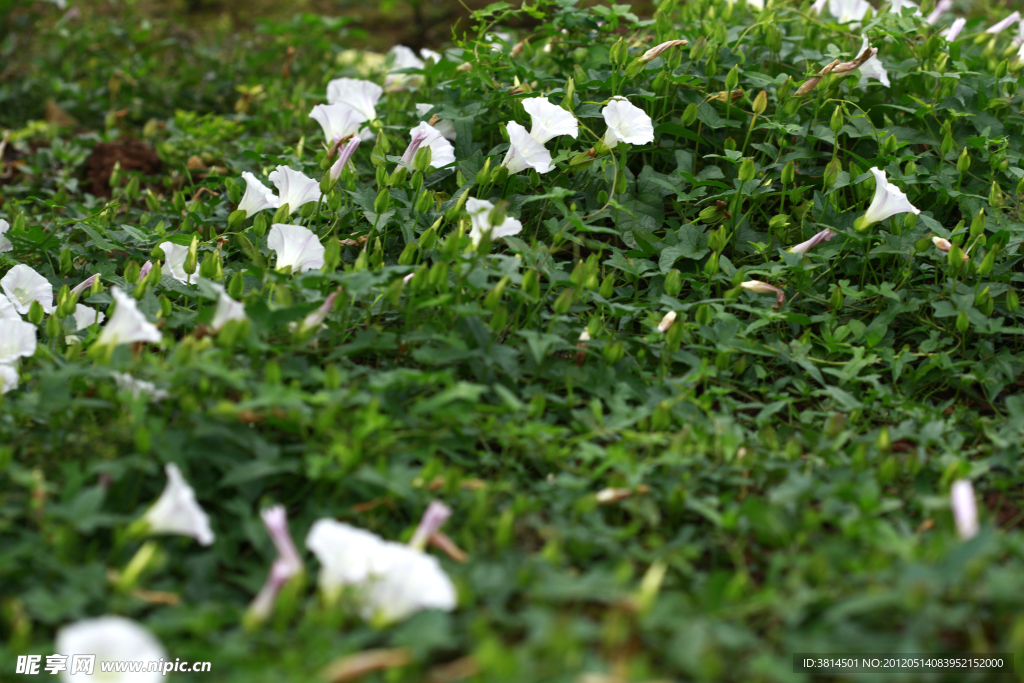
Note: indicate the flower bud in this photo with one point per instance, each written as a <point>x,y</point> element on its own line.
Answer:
<point>236,287</point>
<point>760,102</point>
<point>191,261</point>
<point>673,282</point>
<point>531,284</point>
<point>607,289</point>
<point>978,224</point>
<point>732,79</point>
<point>131,272</point>
<point>36,313</point>
<point>837,120</point>
<point>280,216</point>
<point>962,323</point>
<point>66,263</point>
<point>1012,300</point>
<point>711,266</point>
<point>964,162</point>
<point>235,219</point>
<point>380,204</point>
<point>788,173</point>
<point>421,162</point>
<point>563,303</point>
<point>746,171</point>
<point>408,254</point>
<point>568,103</point>
<point>53,323</point>
<point>837,299</point>
<point>995,195</point>
<point>832,170</point>
<point>690,114</point>
<point>785,89</point>
<point>614,352</point>
<point>619,53</point>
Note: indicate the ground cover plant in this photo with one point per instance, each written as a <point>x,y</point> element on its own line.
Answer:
<point>587,346</point>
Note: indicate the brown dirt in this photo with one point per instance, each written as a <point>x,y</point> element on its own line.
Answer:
<point>134,155</point>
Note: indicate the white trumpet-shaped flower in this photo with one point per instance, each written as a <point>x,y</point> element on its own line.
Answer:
<point>404,58</point>
<point>872,68</point>
<point>23,285</point>
<point>5,244</point>
<point>441,151</point>
<point>110,638</point>
<point>287,564</point>
<point>390,581</point>
<point>85,316</point>
<point>804,247</point>
<point>889,200</point>
<point>257,196</point>
<point>524,151</point>
<point>17,339</point>
<point>177,512</point>
<point>479,213</point>
<point>951,33</point>
<point>1006,23</point>
<point>8,378</point>
<point>626,123</point>
<point>294,187</point>
<point>445,126</point>
<point>965,508</point>
<point>138,387</point>
<point>414,581</point>
<point>174,261</point>
<point>357,94</point>
<point>337,120</point>
<point>295,246</point>
<point>227,309</point>
<point>549,120</point>
<point>759,287</point>
<point>7,309</point>
<point>846,11</point>
<point>128,324</point>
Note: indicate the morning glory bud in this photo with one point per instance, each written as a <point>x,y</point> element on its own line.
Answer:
<point>191,261</point>
<point>978,224</point>
<point>746,171</point>
<point>837,120</point>
<point>788,173</point>
<point>689,114</point>
<point>732,78</point>
<point>1012,300</point>
<point>964,162</point>
<point>131,272</point>
<point>673,282</point>
<point>35,313</point>
<point>760,102</point>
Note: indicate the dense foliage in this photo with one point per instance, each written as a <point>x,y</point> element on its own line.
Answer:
<point>638,496</point>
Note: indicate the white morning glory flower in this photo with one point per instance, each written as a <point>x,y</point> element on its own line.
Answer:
<point>110,638</point>
<point>413,581</point>
<point>17,339</point>
<point>227,309</point>
<point>287,564</point>
<point>295,246</point>
<point>177,512</point>
<point>404,58</point>
<point>951,33</point>
<point>357,94</point>
<point>759,287</point>
<point>426,53</point>
<point>85,316</point>
<point>138,387</point>
<point>257,196</point>
<point>348,555</point>
<point>524,151</point>
<point>174,261</point>
<point>1006,23</point>
<point>337,120</point>
<point>5,244</point>
<point>8,378</point>
<point>479,213</point>
<point>549,120</point>
<point>23,285</point>
<point>846,11</point>
<point>391,581</point>
<point>804,247</point>
<point>441,151</point>
<point>626,123</point>
<point>7,309</point>
<point>444,126</point>
<point>295,188</point>
<point>872,68</point>
<point>965,508</point>
<point>128,324</point>
<point>889,200</point>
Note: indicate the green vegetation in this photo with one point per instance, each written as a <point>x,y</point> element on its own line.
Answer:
<point>674,447</point>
